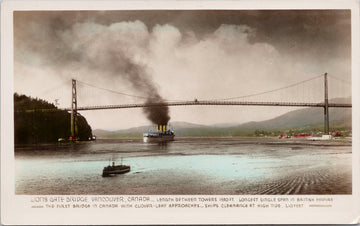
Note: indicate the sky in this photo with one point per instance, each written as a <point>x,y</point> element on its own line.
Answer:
<point>178,55</point>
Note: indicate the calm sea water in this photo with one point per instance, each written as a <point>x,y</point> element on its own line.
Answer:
<point>187,166</point>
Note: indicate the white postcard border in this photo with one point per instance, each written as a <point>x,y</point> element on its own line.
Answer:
<point>15,208</point>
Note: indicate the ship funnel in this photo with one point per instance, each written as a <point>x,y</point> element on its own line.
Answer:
<point>161,128</point>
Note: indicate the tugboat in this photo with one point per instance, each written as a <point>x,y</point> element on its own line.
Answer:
<point>160,135</point>
<point>115,169</point>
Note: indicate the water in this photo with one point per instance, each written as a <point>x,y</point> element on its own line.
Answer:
<point>186,166</point>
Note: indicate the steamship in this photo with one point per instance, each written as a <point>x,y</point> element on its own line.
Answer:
<point>161,134</point>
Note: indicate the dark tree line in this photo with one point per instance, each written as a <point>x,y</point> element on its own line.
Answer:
<point>39,126</point>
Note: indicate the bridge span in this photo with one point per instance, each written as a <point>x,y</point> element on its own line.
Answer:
<point>325,104</point>
<point>74,108</point>
<point>211,103</point>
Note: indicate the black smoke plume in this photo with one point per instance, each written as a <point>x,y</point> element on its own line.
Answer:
<point>118,61</point>
<point>159,114</point>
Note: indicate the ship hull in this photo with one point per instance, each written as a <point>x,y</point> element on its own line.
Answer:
<point>109,170</point>
<point>149,139</point>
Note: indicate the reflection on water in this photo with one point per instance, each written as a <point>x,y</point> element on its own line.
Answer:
<point>186,166</point>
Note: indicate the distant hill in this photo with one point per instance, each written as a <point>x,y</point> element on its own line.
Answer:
<point>303,118</point>
<point>306,119</point>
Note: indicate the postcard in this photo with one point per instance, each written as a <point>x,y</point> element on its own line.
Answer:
<point>180,112</point>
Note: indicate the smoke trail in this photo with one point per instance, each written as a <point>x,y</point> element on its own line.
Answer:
<point>114,54</point>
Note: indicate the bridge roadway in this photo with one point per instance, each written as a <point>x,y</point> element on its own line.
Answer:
<point>184,103</point>
<point>221,103</point>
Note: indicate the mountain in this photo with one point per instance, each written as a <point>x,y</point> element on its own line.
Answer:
<point>306,119</point>
<point>225,125</point>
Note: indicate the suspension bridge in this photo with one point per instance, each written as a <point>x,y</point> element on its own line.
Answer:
<point>308,89</point>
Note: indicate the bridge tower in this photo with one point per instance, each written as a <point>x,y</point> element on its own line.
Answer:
<point>73,120</point>
<point>326,106</point>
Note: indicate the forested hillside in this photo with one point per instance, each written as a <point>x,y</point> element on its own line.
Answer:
<point>41,126</point>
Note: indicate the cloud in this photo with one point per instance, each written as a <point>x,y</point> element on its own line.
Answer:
<point>160,62</point>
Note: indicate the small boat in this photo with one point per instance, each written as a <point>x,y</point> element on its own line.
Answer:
<point>115,169</point>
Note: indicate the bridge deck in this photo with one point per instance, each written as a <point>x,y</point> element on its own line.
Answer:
<point>195,103</point>
<point>221,103</point>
